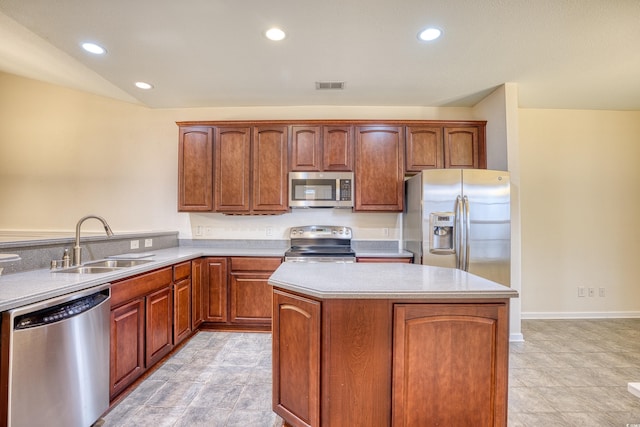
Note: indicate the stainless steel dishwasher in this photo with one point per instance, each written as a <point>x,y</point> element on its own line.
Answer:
<point>59,360</point>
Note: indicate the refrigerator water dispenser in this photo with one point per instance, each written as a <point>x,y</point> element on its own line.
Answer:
<point>441,237</point>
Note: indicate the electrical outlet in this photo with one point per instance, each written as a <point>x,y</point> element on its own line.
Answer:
<point>601,292</point>
<point>148,243</point>
<point>198,230</point>
<point>581,291</point>
<point>592,292</point>
<point>269,231</point>
<point>385,232</point>
<point>135,244</point>
<point>208,231</point>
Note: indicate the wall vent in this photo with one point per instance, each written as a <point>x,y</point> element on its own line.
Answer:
<point>329,85</point>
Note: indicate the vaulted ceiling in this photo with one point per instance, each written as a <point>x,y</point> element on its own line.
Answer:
<point>578,54</point>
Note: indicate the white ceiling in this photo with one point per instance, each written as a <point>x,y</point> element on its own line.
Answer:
<point>578,54</point>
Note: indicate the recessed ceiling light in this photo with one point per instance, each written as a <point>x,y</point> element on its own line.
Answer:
<point>429,34</point>
<point>94,48</point>
<point>144,85</point>
<point>275,34</point>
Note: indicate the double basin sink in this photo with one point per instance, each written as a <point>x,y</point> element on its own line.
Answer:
<point>104,266</point>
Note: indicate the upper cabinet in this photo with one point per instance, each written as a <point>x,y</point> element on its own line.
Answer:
<point>233,166</point>
<point>445,146</point>
<point>269,169</point>
<point>321,148</point>
<point>379,175</point>
<point>241,167</point>
<point>195,169</point>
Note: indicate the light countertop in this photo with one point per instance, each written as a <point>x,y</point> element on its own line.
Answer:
<point>28,287</point>
<point>384,281</point>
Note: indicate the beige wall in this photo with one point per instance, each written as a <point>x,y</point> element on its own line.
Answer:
<point>66,153</point>
<point>580,202</point>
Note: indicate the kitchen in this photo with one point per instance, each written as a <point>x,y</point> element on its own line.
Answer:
<point>59,145</point>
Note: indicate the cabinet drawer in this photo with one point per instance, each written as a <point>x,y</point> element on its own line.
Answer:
<point>139,286</point>
<point>181,271</point>
<point>255,264</point>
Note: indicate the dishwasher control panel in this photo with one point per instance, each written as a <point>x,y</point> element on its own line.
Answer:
<point>59,312</point>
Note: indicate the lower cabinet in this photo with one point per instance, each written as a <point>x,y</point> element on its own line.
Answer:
<point>141,326</point>
<point>374,362</point>
<point>236,292</point>
<point>182,301</point>
<point>296,353</point>
<point>127,345</point>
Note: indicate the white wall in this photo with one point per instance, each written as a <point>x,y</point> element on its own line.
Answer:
<point>580,194</point>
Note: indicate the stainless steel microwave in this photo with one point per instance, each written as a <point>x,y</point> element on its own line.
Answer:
<point>321,189</point>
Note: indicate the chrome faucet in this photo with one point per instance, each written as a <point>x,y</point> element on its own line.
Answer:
<point>77,257</point>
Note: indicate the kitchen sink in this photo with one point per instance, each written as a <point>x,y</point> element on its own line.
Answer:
<point>87,270</point>
<point>117,263</point>
<point>103,266</point>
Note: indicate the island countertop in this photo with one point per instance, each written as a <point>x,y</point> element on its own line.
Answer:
<point>384,281</point>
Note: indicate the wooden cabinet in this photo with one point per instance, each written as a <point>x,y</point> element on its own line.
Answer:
<point>236,292</point>
<point>251,170</point>
<point>379,175</point>
<point>269,170</point>
<point>250,294</point>
<point>442,146</point>
<point>127,360</point>
<point>141,325</point>
<point>159,325</point>
<point>337,362</point>
<point>182,300</point>
<point>296,353</point>
<point>214,297</point>
<point>321,148</point>
<point>458,352</point>
<point>232,175</point>
<point>195,169</point>
<point>462,148</point>
<point>197,297</point>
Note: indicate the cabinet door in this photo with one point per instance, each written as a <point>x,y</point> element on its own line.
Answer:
<point>296,358</point>
<point>182,310</point>
<point>269,151</point>
<point>233,156</point>
<point>461,147</point>
<point>159,327</point>
<point>195,169</point>
<point>424,149</point>
<point>305,149</point>
<point>250,298</point>
<point>215,290</point>
<point>379,172</point>
<point>450,364</point>
<point>197,310</point>
<point>127,345</point>
<point>337,143</point>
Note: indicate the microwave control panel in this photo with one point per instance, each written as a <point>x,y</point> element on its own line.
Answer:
<point>345,190</point>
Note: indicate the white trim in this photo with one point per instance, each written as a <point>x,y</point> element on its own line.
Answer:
<point>581,315</point>
<point>516,338</point>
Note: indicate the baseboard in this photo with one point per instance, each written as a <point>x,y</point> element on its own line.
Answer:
<point>516,337</point>
<point>531,315</point>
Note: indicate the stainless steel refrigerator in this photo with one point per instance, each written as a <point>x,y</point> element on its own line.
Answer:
<point>460,218</point>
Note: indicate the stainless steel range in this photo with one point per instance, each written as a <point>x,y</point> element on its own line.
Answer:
<point>320,243</point>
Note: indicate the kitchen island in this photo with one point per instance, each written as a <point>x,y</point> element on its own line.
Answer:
<point>389,344</point>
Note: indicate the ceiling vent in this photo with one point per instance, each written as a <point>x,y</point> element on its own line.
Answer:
<point>329,85</point>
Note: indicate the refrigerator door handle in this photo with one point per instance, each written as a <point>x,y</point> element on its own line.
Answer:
<point>458,234</point>
<point>467,229</point>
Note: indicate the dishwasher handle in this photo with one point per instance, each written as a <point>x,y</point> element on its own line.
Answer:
<point>60,312</point>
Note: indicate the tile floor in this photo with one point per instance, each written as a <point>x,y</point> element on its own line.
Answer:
<point>566,373</point>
